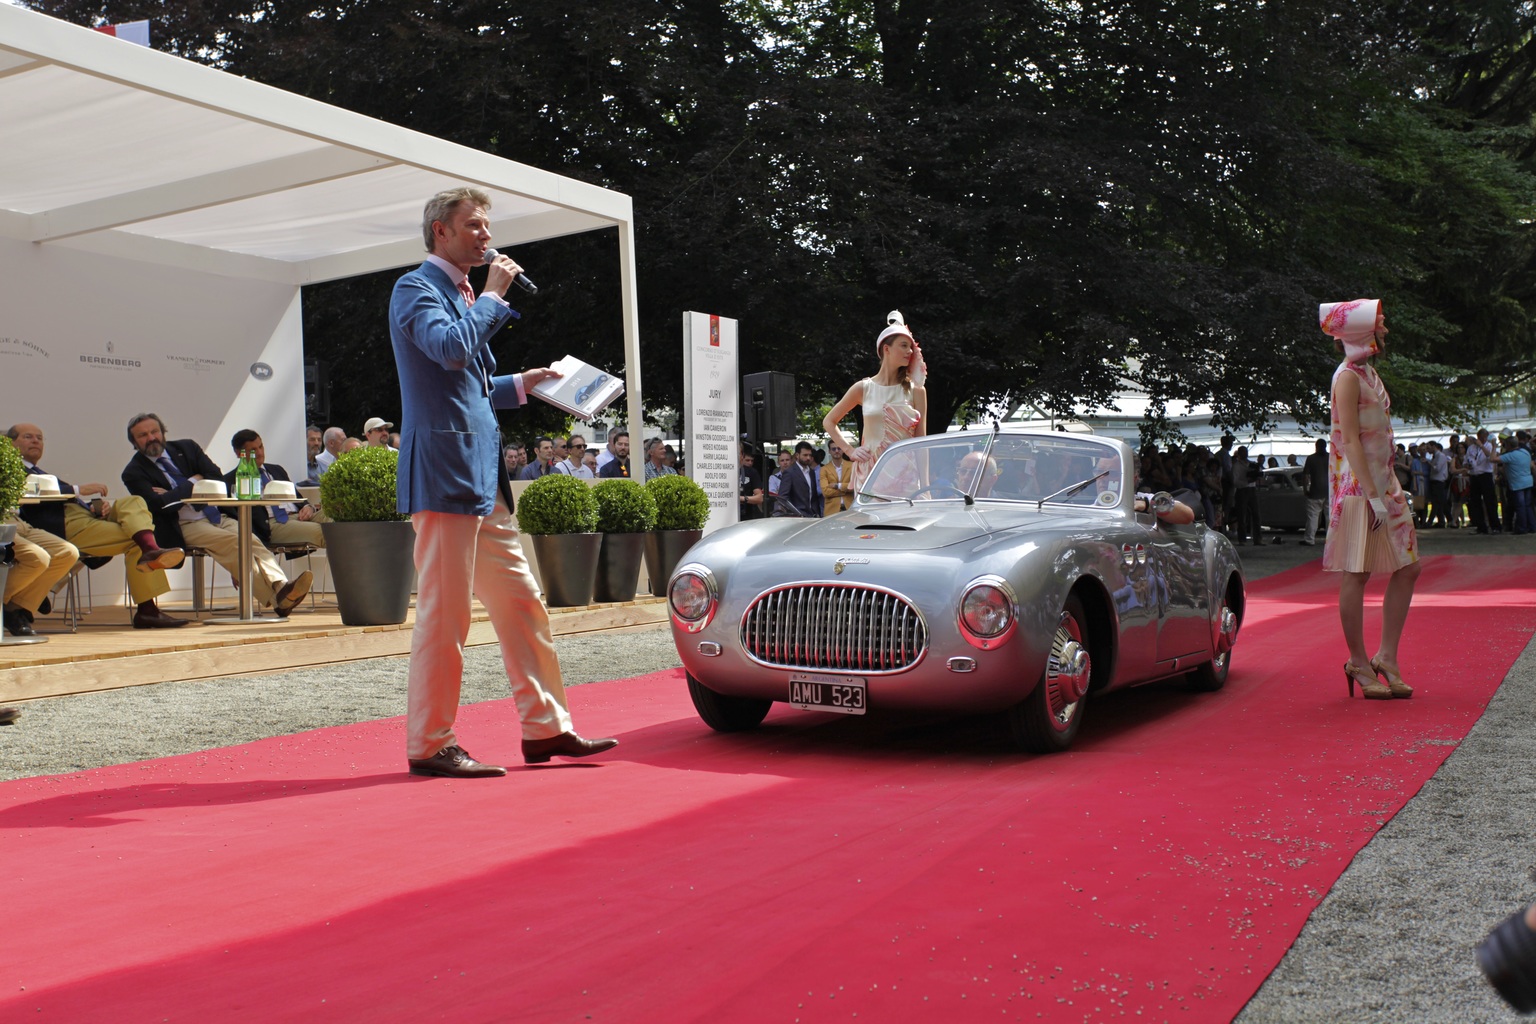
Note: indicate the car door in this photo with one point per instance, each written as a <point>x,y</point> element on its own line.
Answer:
<point>1176,558</point>
<point>1282,502</point>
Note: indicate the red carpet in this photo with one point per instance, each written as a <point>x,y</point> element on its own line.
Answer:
<point>822,869</point>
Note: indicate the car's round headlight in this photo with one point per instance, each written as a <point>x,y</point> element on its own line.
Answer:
<point>689,596</point>
<point>986,610</point>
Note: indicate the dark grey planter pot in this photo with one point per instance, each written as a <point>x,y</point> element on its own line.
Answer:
<point>663,550</point>
<point>618,567</point>
<point>374,569</point>
<point>567,566</point>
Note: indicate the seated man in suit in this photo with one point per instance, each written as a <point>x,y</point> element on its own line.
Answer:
<point>102,529</point>
<point>40,561</point>
<point>162,473</point>
<point>295,523</point>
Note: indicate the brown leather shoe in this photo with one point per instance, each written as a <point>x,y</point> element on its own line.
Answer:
<point>291,593</point>
<point>567,744</point>
<point>9,715</point>
<point>154,618</point>
<point>161,558</point>
<point>454,763</point>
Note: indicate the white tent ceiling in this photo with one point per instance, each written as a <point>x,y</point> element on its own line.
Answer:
<point>125,152</point>
<point>119,149</point>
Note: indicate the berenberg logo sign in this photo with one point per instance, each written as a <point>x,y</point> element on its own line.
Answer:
<point>109,361</point>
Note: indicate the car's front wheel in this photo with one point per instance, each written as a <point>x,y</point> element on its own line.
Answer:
<point>727,714</point>
<point>1046,722</point>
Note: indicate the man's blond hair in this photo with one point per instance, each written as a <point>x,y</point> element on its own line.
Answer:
<point>441,206</point>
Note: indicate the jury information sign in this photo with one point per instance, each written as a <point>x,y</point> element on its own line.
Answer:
<point>712,401</point>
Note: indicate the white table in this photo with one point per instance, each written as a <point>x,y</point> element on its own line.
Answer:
<point>247,555</point>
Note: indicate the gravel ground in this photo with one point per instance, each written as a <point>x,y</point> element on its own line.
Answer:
<point>1392,941</point>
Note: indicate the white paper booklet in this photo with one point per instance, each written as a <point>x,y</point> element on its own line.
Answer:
<point>583,390</point>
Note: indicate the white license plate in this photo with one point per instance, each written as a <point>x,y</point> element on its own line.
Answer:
<point>844,695</point>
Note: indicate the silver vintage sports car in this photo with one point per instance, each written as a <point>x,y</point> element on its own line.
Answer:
<point>977,571</point>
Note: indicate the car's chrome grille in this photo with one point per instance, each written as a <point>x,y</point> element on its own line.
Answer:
<point>834,627</point>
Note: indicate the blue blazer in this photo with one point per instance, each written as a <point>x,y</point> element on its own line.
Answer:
<point>450,444</point>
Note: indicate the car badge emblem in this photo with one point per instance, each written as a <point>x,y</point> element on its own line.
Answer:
<point>847,560</point>
<point>866,536</point>
<point>1108,498</point>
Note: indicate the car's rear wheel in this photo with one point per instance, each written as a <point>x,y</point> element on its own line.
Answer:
<point>727,714</point>
<point>1212,675</point>
<point>1046,721</point>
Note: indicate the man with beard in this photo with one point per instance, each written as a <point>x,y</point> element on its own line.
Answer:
<point>163,474</point>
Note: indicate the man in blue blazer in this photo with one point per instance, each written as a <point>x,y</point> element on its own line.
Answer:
<point>453,484</point>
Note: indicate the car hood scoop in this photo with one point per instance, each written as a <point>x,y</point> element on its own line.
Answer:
<point>900,527</point>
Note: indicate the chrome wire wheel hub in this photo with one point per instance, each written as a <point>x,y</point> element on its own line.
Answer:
<point>1226,635</point>
<point>1068,672</point>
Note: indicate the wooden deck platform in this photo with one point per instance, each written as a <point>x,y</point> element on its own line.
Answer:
<point>107,652</point>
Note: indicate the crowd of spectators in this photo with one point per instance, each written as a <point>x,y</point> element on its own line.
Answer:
<point>1221,485</point>
<point>1478,481</point>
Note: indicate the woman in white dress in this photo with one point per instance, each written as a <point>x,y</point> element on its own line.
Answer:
<point>894,400</point>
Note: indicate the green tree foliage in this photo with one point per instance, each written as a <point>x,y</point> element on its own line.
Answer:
<point>1061,196</point>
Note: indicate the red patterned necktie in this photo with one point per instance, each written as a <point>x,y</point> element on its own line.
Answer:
<point>467,292</point>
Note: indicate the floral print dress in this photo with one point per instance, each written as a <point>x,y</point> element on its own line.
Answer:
<point>1352,546</point>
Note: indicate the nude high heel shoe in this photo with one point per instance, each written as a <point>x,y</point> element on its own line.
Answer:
<point>1395,683</point>
<point>1371,688</point>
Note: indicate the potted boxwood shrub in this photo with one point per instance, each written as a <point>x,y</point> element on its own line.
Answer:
<point>13,483</point>
<point>559,515</point>
<point>626,513</point>
<point>682,508</point>
<point>369,545</point>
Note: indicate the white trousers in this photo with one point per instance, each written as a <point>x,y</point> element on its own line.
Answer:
<point>458,557</point>
<point>1314,514</point>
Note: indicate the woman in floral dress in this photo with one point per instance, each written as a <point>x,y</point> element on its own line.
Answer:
<point>1370,527</point>
<point>894,400</point>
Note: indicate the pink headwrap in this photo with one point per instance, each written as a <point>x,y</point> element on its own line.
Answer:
<point>1353,323</point>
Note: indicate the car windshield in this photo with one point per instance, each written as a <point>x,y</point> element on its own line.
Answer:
<point>1001,467</point>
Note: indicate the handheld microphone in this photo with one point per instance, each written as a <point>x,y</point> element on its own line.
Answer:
<point>521,280</point>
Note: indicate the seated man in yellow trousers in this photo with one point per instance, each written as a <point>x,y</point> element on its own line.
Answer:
<point>41,561</point>
<point>104,528</point>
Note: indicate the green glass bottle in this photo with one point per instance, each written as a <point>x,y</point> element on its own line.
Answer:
<point>244,480</point>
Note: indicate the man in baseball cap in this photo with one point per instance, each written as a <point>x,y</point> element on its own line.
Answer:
<point>376,431</point>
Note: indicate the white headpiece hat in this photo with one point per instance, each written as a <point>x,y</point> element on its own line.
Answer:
<point>1353,323</point>
<point>897,324</point>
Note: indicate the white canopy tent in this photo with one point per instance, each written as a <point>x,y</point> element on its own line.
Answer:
<point>175,211</point>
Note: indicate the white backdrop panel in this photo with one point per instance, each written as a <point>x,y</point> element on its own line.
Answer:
<point>87,341</point>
